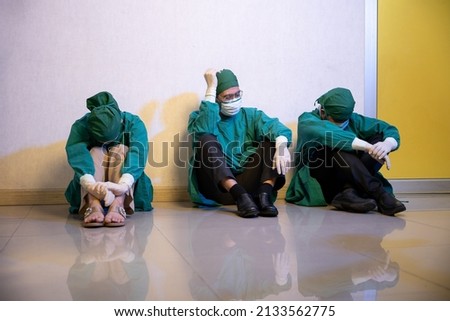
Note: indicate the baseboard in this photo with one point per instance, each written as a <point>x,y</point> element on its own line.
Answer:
<point>56,196</point>
<point>179,193</point>
<point>421,186</point>
<point>32,197</point>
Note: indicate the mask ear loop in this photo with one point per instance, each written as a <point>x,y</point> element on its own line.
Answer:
<point>317,105</point>
<point>320,108</point>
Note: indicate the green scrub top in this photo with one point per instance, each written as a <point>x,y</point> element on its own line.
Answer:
<point>313,132</point>
<point>236,134</point>
<point>132,134</point>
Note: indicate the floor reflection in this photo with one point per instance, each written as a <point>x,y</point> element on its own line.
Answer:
<point>180,253</point>
<point>238,261</point>
<point>110,265</point>
<point>341,261</point>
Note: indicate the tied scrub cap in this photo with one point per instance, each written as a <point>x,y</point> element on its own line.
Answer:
<point>225,80</point>
<point>338,103</point>
<point>105,119</point>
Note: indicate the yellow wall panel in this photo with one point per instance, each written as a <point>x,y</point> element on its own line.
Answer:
<point>414,84</point>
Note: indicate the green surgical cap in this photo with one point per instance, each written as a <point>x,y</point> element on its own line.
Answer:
<point>338,103</point>
<point>105,118</point>
<point>225,80</point>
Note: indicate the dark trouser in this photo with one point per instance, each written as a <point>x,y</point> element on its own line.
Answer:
<point>336,170</point>
<point>211,169</point>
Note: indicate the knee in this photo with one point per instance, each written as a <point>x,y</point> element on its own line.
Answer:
<point>375,138</point>
<point>207,139</point>
<point>348,161</point>
<point>119,149</point>
<point>267,148</point>
<point>208,143</point>
<point>342,160</point>
<point>116,156</point>
<point>97,153</point>
<point>208,146</point>
<point>347,156</point>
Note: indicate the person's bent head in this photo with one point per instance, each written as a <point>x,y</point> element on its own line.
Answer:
<point>336,105</point>
<point>104,120</point>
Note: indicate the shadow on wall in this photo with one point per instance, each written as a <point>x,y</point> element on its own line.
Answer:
<point>47,168</point>
<point>170,146</point>
<point>36,168</point>
<point>170,150</point>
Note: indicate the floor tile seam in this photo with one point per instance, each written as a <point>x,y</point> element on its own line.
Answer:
<point>155,225</point>
<point>13,234</point>
<point>427,224</point>
<point>409,273</point>
<point>199,275</point>
<point>439,285</point>
<point>6,244</point>
<point>7,220</point>
<point>185,259</point>
<point>419,210</point>
<point>19,218</point>
<point>29,210</point>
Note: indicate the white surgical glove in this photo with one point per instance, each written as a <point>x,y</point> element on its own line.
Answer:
<point>282,157</point>
<point>123,186</point>
<point>98,189</point>
<point>359,144</point>
<point>281,266</point>
<point>381,149</point>
<point>387,161</point>
<point>211,85</point>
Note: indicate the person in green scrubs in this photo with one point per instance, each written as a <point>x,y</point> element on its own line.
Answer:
<point>338,157</point>
<point>240,154</point>
<point>108,148</point>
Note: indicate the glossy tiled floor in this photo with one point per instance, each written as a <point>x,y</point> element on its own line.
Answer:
<point>177,252</point>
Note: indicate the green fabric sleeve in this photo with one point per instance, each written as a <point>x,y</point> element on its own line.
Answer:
<point>271,128</point>
<point>365,127</point>
<point>77,149</point>
<point>313,130</point>
<point>136,138</point>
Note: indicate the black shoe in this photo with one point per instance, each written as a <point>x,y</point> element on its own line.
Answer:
<point>246,207</point>
<point>266,207</point>
<point>349,200</point>
<point>389,205</point>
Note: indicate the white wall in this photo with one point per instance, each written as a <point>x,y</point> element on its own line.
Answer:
<point>151,55</point>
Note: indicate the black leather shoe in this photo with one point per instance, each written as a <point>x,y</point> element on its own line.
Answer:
<point>349,200</point>
<point>389,205</point>
<point>266,207</point>
<point>246,207</point>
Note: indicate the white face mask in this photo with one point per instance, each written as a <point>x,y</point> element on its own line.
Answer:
<point>231,108</point>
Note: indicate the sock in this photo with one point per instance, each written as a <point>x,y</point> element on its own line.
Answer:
<point>265,188</point>
<point>236,191</point>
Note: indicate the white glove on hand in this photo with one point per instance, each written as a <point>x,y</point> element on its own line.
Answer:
<point>98,189</point>
<point>211,83</point>
<point>109,198</point>
<point>117,189</point>
<point>123,186</point>
<point>381,149</point>
<point>282,157</point>
<point>359,144</point>
<point>387,161</point>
